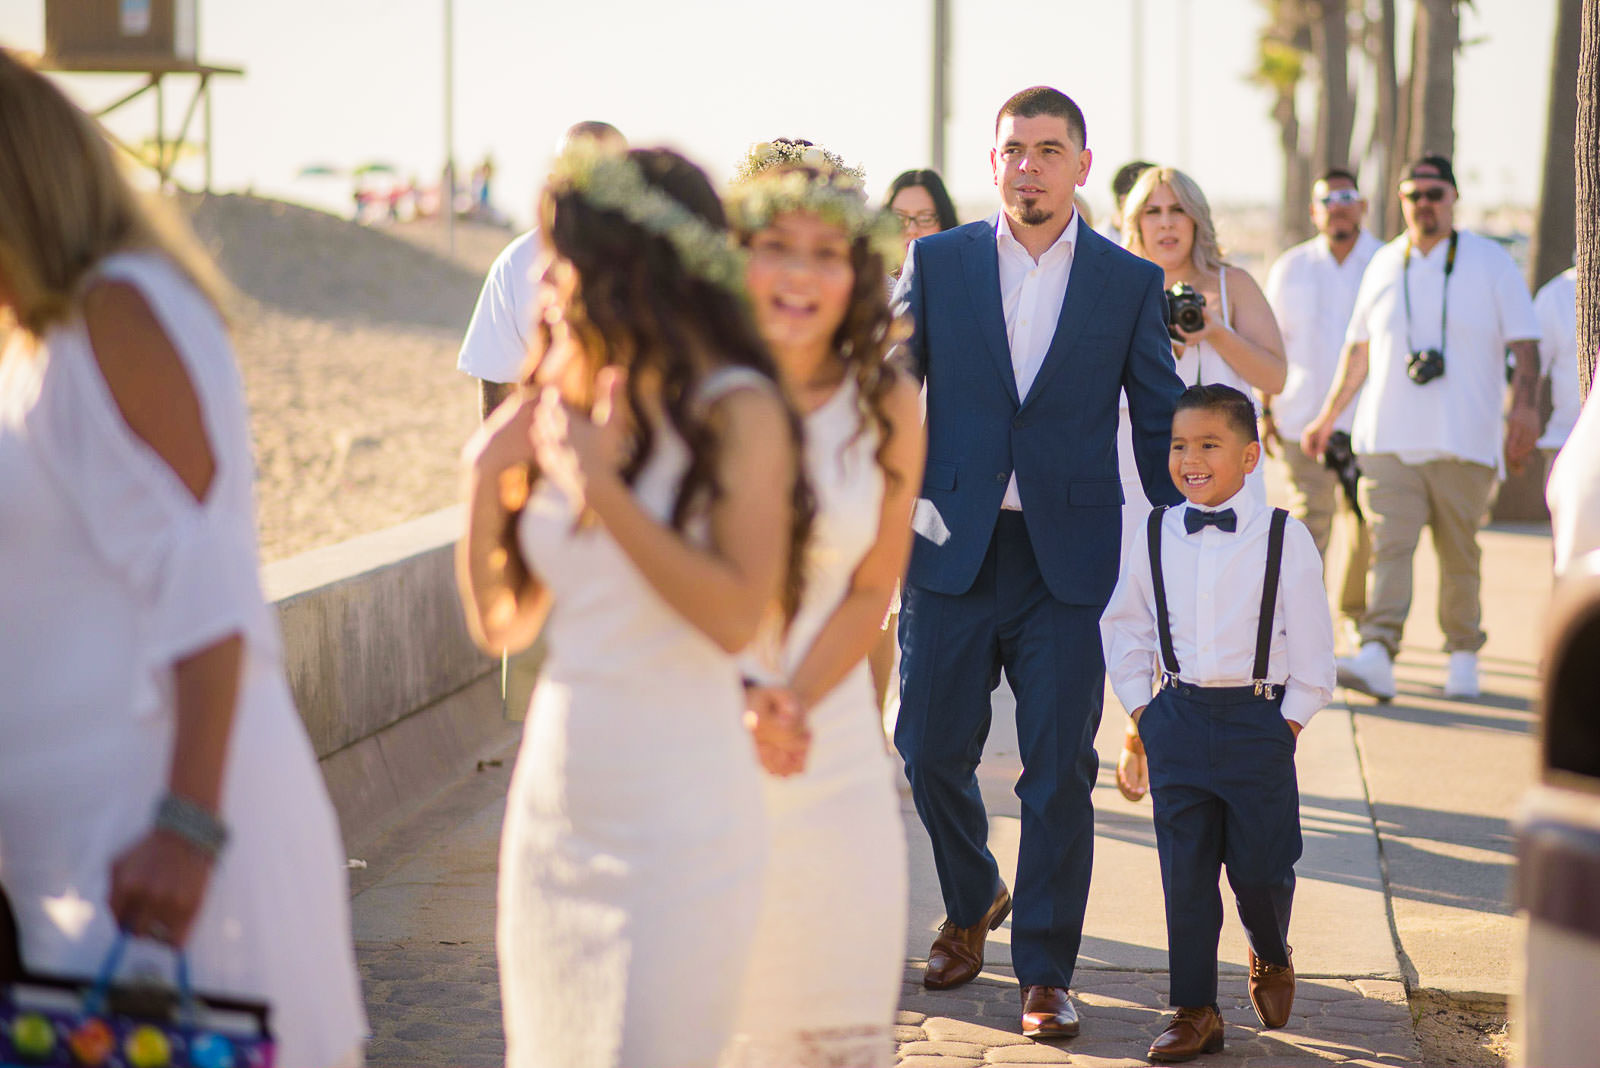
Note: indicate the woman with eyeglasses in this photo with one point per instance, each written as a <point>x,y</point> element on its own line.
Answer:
<point>920,203</point>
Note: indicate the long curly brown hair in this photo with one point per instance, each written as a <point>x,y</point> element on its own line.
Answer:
<point>634,306</point>
<point>867,333</point>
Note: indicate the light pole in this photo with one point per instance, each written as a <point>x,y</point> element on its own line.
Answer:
<point>941,75</point>
<point>1137,67</point>
<point>447,198</point>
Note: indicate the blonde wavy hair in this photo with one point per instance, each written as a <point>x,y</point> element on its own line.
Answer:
<point>1207,254</point>
<point>66,204</point>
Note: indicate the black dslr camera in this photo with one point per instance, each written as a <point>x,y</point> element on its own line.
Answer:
<point>1423,367</point>
<point>1185,311</point>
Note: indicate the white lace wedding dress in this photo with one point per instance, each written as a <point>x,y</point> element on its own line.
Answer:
<point>830,946</point>
<point>633,848</point>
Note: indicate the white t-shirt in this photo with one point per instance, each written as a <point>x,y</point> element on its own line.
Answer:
<point>1456,416</point>
<point>1573,491</point>
<point>497,338</point>
<point>1312,295</point>
<point>1557,308</point>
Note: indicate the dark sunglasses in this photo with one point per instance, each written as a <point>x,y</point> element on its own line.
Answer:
<point>1432,195</point>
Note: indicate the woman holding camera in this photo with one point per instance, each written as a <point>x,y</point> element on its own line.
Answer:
<point>1234,339</point>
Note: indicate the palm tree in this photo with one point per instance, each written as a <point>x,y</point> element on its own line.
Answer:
<point>1285,42</point>
<point>1587,157</point>
<point>1330,40</point>
<point>1553,237</point>
<point>1435,36</point>
<point>1387,145</point>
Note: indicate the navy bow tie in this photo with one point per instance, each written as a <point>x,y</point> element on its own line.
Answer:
<point>1194,519</point>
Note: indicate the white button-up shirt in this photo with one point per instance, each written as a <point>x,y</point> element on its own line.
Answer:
<point>1031,295</point>
<point>496,344</point>
<point>1457,416</point>
<point>1214,582</point>
<point>1557,309</point>
<point>1312,295</point>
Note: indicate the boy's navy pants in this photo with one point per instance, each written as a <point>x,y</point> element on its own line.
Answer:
<point>1222,781</point>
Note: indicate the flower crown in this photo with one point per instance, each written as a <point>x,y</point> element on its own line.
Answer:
<point>791,182</point>
<point>766,155</point>
<point>612,182</point>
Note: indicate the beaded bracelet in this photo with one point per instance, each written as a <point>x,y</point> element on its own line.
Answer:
<point>191,822</point>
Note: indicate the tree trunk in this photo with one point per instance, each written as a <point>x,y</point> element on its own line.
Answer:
<point>1433,79</point>
<point>1587,156</point>
<point>1384,219</point>
<point>1330,40</point>
<point>1293,224</point>
<point>1553,236</point>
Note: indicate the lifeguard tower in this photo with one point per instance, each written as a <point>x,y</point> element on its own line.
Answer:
<point>155,38</point>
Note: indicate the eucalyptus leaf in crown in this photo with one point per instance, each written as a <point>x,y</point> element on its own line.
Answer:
<point>818,187</point>
<point>610,181</point>
<point>766,155</point>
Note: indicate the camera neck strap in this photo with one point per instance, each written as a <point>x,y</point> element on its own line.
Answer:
<point>1444,295</point>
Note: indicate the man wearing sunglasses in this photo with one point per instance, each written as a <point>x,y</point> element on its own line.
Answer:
<point>1437,309</point>
<point>1312,289</point>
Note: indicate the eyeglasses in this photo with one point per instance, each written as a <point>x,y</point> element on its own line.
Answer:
<point>1432,195</point>
<point>1337,197</point>
<point>922,220</point>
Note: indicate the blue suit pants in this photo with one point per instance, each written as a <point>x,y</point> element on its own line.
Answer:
<point>953,649</point>
<point>1222,781</point>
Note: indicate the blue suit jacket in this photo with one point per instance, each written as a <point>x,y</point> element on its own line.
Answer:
<point>1061,439</point>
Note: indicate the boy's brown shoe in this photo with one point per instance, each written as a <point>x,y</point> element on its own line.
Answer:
<point>1191,1033</point>
<point>957,954</point>
<point>1271,990</point>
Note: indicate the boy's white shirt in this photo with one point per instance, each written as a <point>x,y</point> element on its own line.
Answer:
<point>1213,582</point>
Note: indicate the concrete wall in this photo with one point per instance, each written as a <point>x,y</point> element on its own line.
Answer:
<point>398,701</point>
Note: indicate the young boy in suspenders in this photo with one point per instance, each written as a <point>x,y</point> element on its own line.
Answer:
<point>1219,638</point>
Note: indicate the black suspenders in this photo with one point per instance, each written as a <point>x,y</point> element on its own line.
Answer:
<point>1269,601</point>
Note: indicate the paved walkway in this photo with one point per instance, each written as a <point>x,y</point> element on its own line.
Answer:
<point>1408,853</point>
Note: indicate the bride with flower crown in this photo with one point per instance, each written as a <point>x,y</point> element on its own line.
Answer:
<point>830,942</point>
<point>665,517</point>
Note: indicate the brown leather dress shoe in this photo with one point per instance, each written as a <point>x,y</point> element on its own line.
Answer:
<point>957,954</point>
<point>1047,1013</point>
<point>1271,990</point>
<point>1191,1033</point>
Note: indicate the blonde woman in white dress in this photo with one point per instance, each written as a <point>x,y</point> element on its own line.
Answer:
<point>664,522</point>
<point>830,944</point>
<point>154,775</point>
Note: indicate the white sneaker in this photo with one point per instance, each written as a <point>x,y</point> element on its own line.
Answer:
<point>1463,680</point>
<point>1348,635</point>
<point>1370,671</point>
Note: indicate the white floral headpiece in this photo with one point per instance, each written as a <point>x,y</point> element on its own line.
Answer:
<point>812,185</point>
<point>610,181</point>
<point>765,155</point>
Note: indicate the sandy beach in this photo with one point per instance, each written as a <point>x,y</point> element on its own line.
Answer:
<point>347,337</point>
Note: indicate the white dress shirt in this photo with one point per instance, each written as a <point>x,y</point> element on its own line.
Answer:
<point>496,345</point>
<point>1457,416</point>
<point>1557,309</point>
<point>1214,582</point>
<point>1312,295</point>
<point>1031,295</point>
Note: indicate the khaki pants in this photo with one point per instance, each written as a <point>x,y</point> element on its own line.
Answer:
<point>1315,499</point>
<point>1451,498</point>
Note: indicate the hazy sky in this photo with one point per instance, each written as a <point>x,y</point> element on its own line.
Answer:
<point>348,81</point>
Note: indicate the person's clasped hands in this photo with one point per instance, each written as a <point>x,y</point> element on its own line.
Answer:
<point>777,724</point>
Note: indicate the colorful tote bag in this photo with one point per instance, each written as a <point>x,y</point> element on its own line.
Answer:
<point>57,1022</point>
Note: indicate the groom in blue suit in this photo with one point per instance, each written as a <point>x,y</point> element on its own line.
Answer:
<point>1028,325</point>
